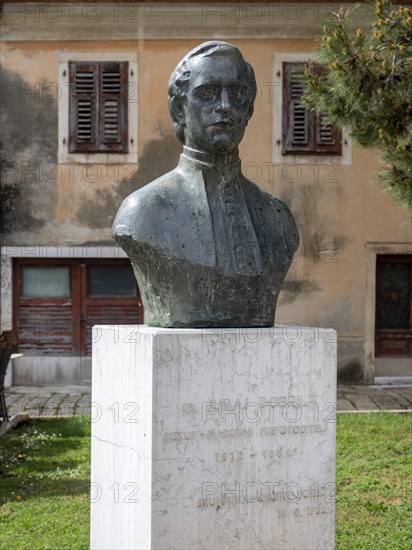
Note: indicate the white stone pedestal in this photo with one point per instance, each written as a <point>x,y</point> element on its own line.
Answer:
<point>213,439</point>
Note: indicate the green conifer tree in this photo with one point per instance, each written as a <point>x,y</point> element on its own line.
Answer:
<point>366,85</point>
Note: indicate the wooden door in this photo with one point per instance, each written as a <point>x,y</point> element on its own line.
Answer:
<point>109,296</point>
<point>56,303</point>
<point>393,306</point>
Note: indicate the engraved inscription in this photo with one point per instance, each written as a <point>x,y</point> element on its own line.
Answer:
<point>288,430</point>
<point>233,456</point>
<point>279,453</point>
<point>272,431</point>
<point>189,409</point>
<point>270,454</point>
<point>223,434</point>
<point>209,434</point>
<point>179,436</point>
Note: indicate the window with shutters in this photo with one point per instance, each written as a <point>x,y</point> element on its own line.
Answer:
<point>299,136</point>
<point>304,131</point>
<point>98,107</point>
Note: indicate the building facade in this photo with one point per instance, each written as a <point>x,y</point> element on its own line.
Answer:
<point>84,122</point>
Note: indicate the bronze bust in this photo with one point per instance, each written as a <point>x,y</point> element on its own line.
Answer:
<point>209,247</point>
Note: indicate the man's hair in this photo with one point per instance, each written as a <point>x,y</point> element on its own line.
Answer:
<point>180,77</point>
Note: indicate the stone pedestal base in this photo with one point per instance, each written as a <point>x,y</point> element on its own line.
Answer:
<point>213,439</point>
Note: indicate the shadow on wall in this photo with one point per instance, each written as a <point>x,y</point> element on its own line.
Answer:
<point>28,143</point>
<point>28,153</point>
<point>158,157</point>
<point>351,372</point>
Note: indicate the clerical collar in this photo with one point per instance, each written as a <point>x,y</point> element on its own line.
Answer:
<point>218,161</point>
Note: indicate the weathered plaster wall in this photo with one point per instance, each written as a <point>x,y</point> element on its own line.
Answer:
<point>28,131</point>
<point>338,208</point>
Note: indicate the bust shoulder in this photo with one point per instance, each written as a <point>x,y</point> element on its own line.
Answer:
<point>143,207</point>
<point>141,210</point>
<point>167,216</point>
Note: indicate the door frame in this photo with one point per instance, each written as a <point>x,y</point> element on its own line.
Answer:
<point>373,249</point>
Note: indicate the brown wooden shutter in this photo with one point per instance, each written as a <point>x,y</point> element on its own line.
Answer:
<point>296,118</point>
<point>328,137</point>
<point>83,83</point>
<point>113,107</point>
<point>98,107</point>
<point>304,132</point>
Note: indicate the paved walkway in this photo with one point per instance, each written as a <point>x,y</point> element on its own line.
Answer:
<point>72,400</point>
<point>374,398</point>
<point>48,401</point>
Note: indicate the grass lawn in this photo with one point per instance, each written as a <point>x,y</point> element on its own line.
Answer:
<point>374,482</point>
<point>45,485</point>
<point>45,469</point>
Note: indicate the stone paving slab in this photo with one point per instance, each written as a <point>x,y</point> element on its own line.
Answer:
<point>403,395</point>
<point>344,405</point>
<point>74,400</point>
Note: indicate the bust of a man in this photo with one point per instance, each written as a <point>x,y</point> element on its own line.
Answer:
<point>209,247</point>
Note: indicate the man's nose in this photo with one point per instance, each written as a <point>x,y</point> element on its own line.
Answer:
<point>224,104</point>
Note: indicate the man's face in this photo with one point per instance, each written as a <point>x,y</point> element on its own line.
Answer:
<point>217,104</point>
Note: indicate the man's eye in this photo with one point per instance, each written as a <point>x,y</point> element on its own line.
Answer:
<point>207,94</point>
<point>238,92</point>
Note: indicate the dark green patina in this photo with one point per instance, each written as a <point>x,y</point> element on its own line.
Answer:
<point>209,247</point>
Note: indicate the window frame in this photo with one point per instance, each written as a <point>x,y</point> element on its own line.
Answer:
<point>278,107</point>
<point>108,157</point>
<point>97,99</point>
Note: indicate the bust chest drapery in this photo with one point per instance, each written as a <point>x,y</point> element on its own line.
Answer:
<point>209,247</point>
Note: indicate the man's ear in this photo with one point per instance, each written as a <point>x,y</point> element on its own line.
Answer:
<point>180,132</point>
<point>176,108</point>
